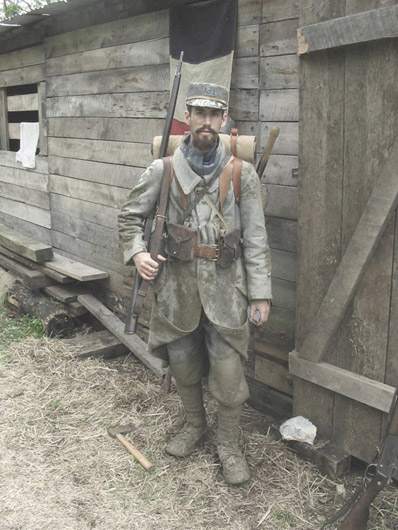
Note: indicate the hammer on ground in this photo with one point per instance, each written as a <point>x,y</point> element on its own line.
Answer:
<point>117,432</point>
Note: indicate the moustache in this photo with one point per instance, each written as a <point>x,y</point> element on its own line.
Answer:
<point>206,129</point>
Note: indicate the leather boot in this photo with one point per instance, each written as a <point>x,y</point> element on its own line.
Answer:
<point>234,465</point>
<point>195,426</point>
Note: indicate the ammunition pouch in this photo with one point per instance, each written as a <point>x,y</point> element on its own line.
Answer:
<point>229,249</point>
<point>181,242</point>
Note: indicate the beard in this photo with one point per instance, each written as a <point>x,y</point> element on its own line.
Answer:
<point>204,143</point>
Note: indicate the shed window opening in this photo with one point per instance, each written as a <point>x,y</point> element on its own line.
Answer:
<point>22,106</point>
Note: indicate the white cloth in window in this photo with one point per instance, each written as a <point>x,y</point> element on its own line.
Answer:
<point>29,137</point>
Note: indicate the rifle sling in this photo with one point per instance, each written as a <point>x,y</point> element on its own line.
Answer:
<point>158,232</point>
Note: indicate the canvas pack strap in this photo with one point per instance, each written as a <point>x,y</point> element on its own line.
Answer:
<point>157,235</point>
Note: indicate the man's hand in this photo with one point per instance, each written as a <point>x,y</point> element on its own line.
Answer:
<point>259,311</point>
<point>146,266</point>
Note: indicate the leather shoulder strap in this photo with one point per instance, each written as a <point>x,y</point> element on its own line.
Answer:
<point>229,173</point>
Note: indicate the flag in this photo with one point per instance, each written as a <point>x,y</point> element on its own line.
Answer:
<point>205,32</point>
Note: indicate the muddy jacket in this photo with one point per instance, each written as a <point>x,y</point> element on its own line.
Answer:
<point>183,289</point>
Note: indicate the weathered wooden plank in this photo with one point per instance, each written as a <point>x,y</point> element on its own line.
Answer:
<point>367,235</point>
<point>279,10</point>
<point>116,326</point>
<point>284,264</point>
<point>88,191</point>
<point>154,52</point>
<point>22,102</point>
<point>39,199</point>
<point>283,294</point>
<point>64,293</point>
<point>3,120</point>
<point>245,73</point>
<point>41,94</point>
<point>144,27</point>
<point>134,105</point>
<point>247,38</point>
<point>85,230</point>
<point>280,352</point>
<point>249,12</point>
<point>27,228</point>
<point>140,130</point>
<point>282,233</point>
<point>86,252</point>
<point>279,330</point>
<point>279,38</point>
<point>94,213</point>
<point>27,247</point>
<point>128,153</point>
<point>22,58</point>
<point>281,201</point>
<point>121,176</point>
<point>25,211</point>
<point>74,269</point>
<point>31,278</point>
<point>7,159</point>
<point>287,141</point>
<point>355,386</point>
<point>280,170</point>
<point>100,344</point>
<point>279,105</point>
<point>244,104</point>
<point>23,76</point>
<point>273,374</point>
<point>60,278</point>
<point>381,23</point>
<point>279,71</point>
<point>138,79</point>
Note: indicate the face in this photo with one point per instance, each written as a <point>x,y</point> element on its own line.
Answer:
<point>205,124</point>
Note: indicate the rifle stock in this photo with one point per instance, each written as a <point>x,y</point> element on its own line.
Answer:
<point>133,313</point>
<point>358,508</point>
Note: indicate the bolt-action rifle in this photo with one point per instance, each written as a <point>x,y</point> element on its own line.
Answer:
<point>377,476</point>
<point>132,316</point>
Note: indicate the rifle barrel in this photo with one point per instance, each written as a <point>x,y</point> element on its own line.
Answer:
<point>132,315</point>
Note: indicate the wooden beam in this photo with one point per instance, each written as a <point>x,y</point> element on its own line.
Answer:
<point>74,269</point>
<point>354,386</point>
<point>3,120</point>
<point>362,27</point>
<point>25,246</point>
<point>370,228</point>
<point>98,344</point>
<point>31,278</point>
<point>116,326</point>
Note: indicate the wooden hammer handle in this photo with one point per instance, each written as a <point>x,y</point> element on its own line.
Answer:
<point>141,459</point>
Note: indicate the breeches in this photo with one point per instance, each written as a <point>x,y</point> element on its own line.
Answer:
<point>187,359</point>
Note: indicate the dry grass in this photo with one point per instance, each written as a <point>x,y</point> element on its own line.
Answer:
<point>59,469</point>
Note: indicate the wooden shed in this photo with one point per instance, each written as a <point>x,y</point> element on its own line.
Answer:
<point>95,75</point>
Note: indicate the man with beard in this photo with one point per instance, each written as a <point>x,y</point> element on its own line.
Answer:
<point>204,299</point>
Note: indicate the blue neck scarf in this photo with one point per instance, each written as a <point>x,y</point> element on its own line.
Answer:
<point>202,163</point>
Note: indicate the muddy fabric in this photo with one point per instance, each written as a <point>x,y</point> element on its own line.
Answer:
<point>188,361</point>
<point>184,289</point>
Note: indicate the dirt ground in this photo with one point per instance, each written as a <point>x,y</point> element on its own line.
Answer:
<point>59,469</point>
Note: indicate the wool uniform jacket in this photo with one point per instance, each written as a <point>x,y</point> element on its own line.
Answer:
<point>182,290</point>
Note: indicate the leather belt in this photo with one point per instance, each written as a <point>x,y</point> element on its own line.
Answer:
<point>209,252</point>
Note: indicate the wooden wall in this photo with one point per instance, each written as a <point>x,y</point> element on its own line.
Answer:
<point>24,197</point>
<point>107,90</point>
<point>348,125</point>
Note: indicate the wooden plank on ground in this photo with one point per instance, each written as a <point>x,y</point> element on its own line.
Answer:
<point>360,249</point>
<point>116,326</point>
<point>74,269</point>
<point>64,293</point>
<point>381,23</point>
<point>61,278</point>
<point>31,278</point>
<point>99,344</point>
<point>355,386</point>
<point>25,246</point>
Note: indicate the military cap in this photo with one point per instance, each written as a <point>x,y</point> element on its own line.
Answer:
<point>207,95</point>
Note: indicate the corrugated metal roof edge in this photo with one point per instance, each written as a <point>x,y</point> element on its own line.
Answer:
<point>56,8</point>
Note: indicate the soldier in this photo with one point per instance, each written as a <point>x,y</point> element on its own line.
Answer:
<point>214,279</point>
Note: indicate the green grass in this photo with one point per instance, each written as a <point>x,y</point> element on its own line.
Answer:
<point>14,330</point>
